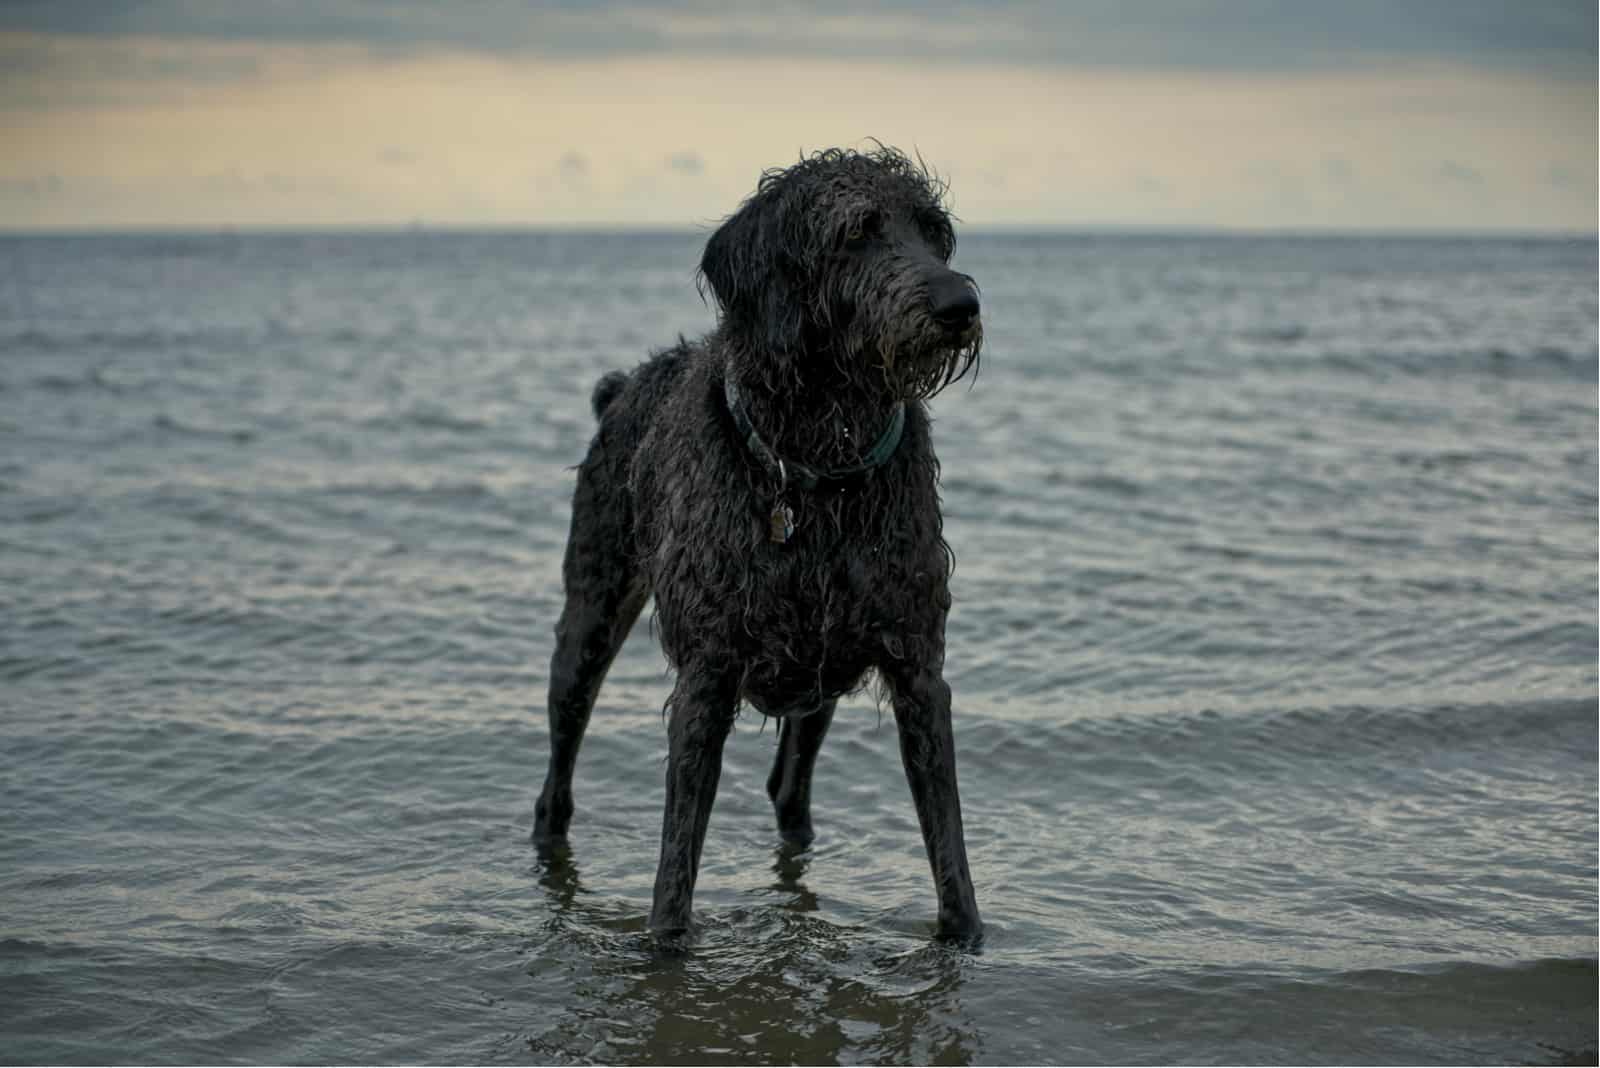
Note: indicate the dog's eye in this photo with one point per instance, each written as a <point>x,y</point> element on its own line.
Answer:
<point>861,232</point>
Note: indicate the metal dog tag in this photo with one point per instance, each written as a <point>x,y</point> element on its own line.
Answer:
<point>780,526</point>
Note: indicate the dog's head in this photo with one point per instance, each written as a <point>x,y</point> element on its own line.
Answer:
<point>840,264</point>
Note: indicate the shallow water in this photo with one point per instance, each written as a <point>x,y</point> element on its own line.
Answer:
<point>1274,654</point>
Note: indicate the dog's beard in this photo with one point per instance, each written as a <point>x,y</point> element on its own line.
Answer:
<point>918,372</point>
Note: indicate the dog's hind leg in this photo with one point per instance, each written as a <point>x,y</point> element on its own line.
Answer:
<point>789,785</point>
<point>605,593</point>
<point>704,703</point>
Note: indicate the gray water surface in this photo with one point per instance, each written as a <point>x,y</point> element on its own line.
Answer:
<point>1274,655</point>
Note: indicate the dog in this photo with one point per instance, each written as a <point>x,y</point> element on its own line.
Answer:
<point>774,487</point>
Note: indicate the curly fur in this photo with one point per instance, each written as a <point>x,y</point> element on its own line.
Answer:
<point>835,303</point>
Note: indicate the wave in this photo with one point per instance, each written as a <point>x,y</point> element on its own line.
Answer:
<point>168,424</point>
<point>1282,738</point>
<point>1538,362</point>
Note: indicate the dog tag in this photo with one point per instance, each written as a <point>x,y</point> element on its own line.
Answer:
<point>780,526</point>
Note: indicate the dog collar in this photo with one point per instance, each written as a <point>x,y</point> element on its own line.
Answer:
<point>805,477</point>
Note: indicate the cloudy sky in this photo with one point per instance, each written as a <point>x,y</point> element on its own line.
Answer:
<point>1253,114</point>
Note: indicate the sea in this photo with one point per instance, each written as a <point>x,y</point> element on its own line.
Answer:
<point>1273,651</point>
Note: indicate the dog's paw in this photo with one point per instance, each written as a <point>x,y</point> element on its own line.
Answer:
<point>546,841</point>
<point>671,941</point>
<point>794,820</point>
<point>965,932</point>
<point>797,839</point>
<point>551,817</point>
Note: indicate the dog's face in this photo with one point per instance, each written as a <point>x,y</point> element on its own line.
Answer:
<point>840,264</point>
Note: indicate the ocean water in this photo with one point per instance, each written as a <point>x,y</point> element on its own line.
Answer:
<point>1273,651</point>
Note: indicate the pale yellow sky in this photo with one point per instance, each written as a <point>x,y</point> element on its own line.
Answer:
<point>115,129</point>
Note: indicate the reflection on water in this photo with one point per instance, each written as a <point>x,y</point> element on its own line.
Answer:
<point>789,865</point>
<point>771,984</point>
<point>558,875</point>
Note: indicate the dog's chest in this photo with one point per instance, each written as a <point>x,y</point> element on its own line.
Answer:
<point>816,628</point>
<point>801,616</point>
<point>804,620</point>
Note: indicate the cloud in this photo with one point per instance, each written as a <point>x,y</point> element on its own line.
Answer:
<point>1279,35</point>
<point>234,183</point>
<point>1281,182</point>
<point>32,186</point>
<point>44,72</point>
<point>572,167</point>
<point>686,163</point>
<point>489,138</point>
<point>397,156</point>
<point>24,55</point>
<point>1459,173</point>
<point>1150,185</point>
<point>1566,176</point>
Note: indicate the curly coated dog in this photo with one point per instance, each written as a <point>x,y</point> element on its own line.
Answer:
<point>774,487</point>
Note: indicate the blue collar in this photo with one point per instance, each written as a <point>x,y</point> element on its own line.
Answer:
<point>807,478</point>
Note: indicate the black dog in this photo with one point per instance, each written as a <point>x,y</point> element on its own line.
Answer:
<point>774,486</point>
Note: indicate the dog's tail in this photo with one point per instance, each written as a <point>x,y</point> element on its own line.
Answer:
<point>606,390</point>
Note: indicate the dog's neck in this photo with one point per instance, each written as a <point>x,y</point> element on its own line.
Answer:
<point>826,420</point>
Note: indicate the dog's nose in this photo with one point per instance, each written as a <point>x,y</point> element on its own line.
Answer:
<point>954,302</point>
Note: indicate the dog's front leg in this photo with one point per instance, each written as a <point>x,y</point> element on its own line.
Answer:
<point>927,748</point>
<point>703,706</point>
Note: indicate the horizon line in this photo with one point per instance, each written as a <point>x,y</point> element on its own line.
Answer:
<point>1008,229</point>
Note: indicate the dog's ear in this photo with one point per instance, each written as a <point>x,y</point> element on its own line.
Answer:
<point>749,265</point>
<point>732,255</point>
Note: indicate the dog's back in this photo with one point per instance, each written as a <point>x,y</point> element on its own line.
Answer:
<point>606,391</point>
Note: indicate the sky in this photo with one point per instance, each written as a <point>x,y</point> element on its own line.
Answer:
<point>1367,115</point>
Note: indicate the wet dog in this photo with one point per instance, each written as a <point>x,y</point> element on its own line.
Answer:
<point>774,487</point>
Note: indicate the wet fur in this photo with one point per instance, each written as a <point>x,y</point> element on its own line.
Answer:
<point>830,282</point>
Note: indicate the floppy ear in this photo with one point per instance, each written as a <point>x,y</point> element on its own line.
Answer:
<point>732,254</point>
<point>748,266</point>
